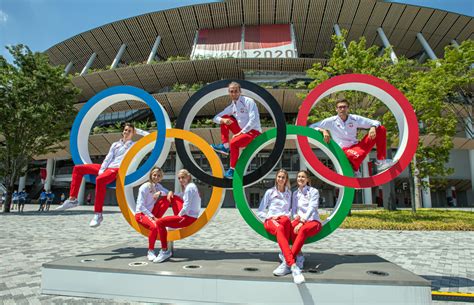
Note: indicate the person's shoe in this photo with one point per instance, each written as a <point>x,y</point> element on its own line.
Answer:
<point>298,277</point>
<point>95,222</point>
<point>383,164</point>
<point>151,255</point>
<point>357,174</point>
<point>68,204</point>
<point>220,148</point>
<point>300,260</point>
<point>162,256</point>
<point>282,270</point>
<point>229,174</point>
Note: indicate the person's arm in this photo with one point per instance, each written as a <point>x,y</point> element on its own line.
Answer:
<point>294,204</point>
<point>142,192</point>
<point>189,193</point>
<point>366,123</point>
<point>108,159</point>
<point>323,126</point>
<point>261,213</point>
<point>164,191</point>
<point>227,111</point>
<point>253,116</point>
<point>313,203</point>
<point>141,132</point>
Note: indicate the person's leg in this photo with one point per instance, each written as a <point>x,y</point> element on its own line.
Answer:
<point>308,229</point>
<point>239,142</point>
<point>294,223</point>
<point>281,229</point>
<point>176,204</point>
<point>150,225</point>
<point>171,222</point>
<point>78,173</point>
<point>101,182</point>
<point>160,207</point>
<point>226,129</point>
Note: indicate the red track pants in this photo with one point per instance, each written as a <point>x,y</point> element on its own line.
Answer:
<point>357,152</point>
<point>101,182</point>
<point>281,228</point>
<point>158,211</point>
<point>174,222</point>
<point>237,142</point>
<point>309,228</point>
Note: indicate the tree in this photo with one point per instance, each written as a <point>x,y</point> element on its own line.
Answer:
<point>36,111</point>
<point>427,86</point>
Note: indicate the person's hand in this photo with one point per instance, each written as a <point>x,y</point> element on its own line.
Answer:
<point>372,133</point>
<point>297,228</point>
<point>326,135</point>
<point>170,195</point>
<point>274,217</point>
<point>157,195</point>
<point>101,171</point>
<point>226,121</point>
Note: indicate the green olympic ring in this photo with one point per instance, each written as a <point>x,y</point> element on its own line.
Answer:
<point>343,205</point>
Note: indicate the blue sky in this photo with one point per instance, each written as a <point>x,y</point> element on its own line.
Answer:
<point>43,23</point>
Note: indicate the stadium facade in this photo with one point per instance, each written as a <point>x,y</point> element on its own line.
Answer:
<point>264,41</point>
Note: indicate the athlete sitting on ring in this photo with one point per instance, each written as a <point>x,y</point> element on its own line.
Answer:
<point>241,118</point>
<point>152,202</point>
<point>343,128</point>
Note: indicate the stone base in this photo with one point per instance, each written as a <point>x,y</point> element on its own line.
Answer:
<point>197,276</point>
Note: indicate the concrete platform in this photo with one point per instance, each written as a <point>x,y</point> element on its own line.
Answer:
<point>198,276</point>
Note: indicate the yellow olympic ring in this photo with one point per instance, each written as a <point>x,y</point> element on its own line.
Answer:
<point>217,193</point>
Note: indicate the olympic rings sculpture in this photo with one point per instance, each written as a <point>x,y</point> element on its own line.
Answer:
<point>158,145</point>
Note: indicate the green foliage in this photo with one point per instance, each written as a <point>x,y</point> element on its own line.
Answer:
<point>177,58</point>
<point>187,87</point>
<point>424,219</point>
<point>426,86</point>
<point>37,110</point>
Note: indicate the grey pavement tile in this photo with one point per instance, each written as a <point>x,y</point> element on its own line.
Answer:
<point>34,238</point>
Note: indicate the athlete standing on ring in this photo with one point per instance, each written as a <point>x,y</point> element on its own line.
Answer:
<point>343,128</point>
<point>105,172</point>
<point>275,209</point>
<point>241,118</point>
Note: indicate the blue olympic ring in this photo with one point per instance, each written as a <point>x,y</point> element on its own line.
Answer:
<point>90,111</point>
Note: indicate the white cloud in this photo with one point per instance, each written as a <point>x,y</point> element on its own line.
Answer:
<point>3,17</point>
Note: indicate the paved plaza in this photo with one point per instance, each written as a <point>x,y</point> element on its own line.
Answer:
<point>33,238</point>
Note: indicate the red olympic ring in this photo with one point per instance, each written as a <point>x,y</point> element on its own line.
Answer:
<point>397,104</point>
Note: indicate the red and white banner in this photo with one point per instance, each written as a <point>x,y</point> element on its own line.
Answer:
<point>260,41</point>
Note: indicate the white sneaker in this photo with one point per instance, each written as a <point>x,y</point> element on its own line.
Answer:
<point>162,256</point>
<point>298,277</point>
<point>151,255</point>
<point>95,222</point>
<point>300,260</point>
<point>383,164</point>
<point>68,204</point>
<point>282,270</point>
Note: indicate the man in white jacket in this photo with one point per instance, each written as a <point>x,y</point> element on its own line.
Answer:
<point>343,128</point>
<point>241,118</point>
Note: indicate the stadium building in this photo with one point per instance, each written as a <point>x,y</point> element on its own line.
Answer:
<point>170,53</point>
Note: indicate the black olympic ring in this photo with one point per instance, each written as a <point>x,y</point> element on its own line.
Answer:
<point>218,89</point>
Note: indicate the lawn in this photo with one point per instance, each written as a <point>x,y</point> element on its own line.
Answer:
<point>423,219</point>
